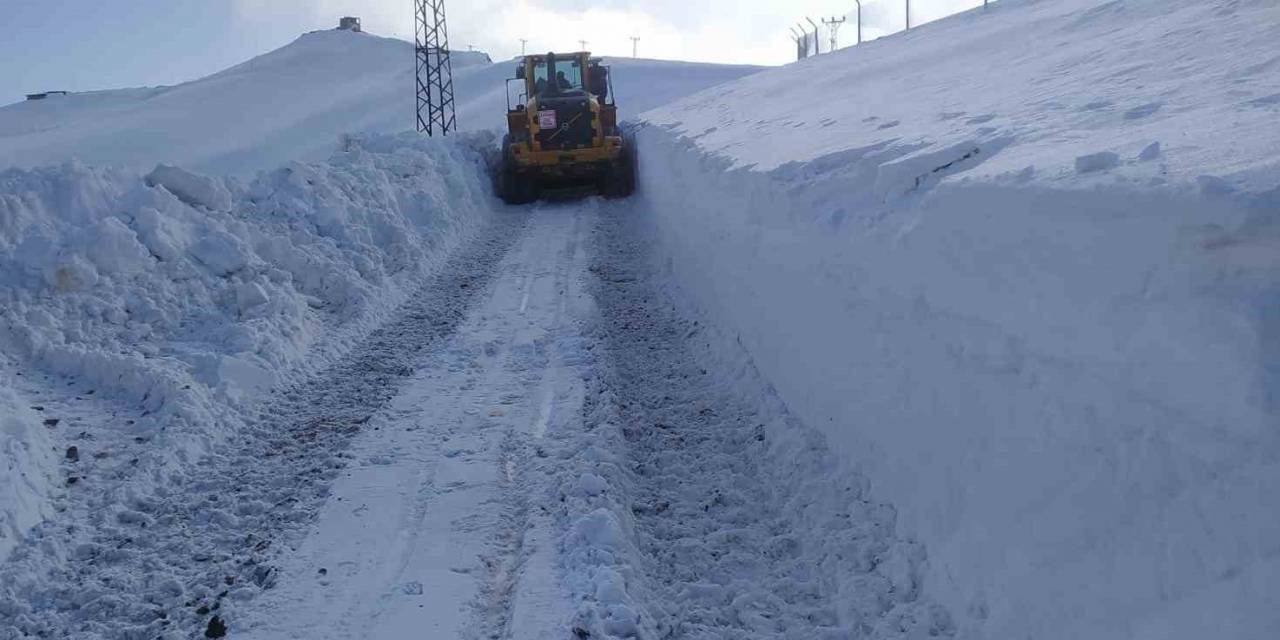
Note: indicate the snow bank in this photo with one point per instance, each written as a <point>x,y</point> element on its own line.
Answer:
<point>27,463</point>
<point>1037,309</point>
<point>188,295</point>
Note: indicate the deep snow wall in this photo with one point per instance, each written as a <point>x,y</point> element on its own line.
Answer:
<point>1068,395</point>
<point>183,298</point>
<point>1021,267</point>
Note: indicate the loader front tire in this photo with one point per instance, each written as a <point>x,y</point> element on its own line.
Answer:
<point>620,179</point>
<point>514,186</point>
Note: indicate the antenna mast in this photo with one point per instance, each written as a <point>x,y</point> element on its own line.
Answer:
<point>434,69</point>
<point>834,26</point>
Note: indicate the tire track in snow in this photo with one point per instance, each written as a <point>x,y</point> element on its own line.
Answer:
<point>729,520</point>
<point>525,471</point>
<point>504,559</point>
<point>482,562</point>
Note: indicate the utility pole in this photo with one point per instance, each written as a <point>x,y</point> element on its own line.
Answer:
<point>635,43</point>
<point>523,42</point>
<point>433,70</point>
<point>834,26</point>
<point>859,3</point>
<point>908,15</point>
<point>817,48</point>
<point>584,45</point>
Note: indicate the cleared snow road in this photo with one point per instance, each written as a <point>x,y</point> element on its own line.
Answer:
<point>582,460</point>
<point>439,527</point>
<point>541,444</point>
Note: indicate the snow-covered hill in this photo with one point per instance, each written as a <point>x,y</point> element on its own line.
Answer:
<point>1021,267</point>
<point>291,104</point>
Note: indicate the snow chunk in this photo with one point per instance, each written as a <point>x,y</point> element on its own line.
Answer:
<point>1094,162</point>
<point>600,529</point>
<point>221,252</point>
<point>193,189</point>
<point>250,295</point>
<point>70,273</point>
<point>1214,185</point>
<point>235,377</point>
<point>924,168</point>
<point>611,587</point>
<point>622,622</point>
<point>591,484</point>
<point>114,248</point>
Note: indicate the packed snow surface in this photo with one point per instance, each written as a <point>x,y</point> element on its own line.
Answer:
<point>579,460</point>
<point>292,104</point>
<point>1020,266</point>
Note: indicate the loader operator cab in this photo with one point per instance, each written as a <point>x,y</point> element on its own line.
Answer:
<point>566,80</point>
<point>562,127</point>
<point>563,74</point>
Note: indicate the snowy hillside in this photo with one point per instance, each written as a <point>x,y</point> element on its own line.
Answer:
<point>290,104</point>
<point>1020,267</point>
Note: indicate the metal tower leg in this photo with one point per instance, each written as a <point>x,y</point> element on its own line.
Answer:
<point>434,69</point>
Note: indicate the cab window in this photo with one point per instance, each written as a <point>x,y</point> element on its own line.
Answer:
<point>568,76</point>
<point>539,77</point>
<point>572,75</point>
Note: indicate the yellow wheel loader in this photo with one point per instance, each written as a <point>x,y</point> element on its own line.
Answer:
<point>563,131</point>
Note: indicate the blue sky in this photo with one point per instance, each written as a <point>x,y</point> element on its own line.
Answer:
<point>82,45</point>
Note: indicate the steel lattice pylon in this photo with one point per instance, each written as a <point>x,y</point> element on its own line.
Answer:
<point>434,69</point>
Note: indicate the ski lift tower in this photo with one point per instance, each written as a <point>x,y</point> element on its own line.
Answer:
<point>434,69</point>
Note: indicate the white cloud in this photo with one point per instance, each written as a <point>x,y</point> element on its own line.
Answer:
<point>716,31</point>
